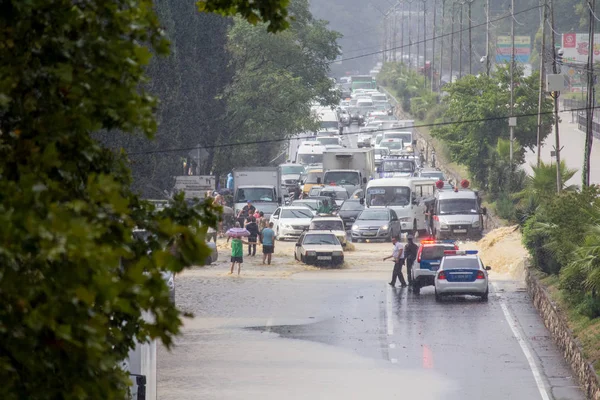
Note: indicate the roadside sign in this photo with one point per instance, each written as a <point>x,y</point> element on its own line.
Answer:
<point>194,186</point>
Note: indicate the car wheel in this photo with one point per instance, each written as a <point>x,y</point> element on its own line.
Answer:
<point>438,298</point>
<point>417,289</point>
<point>485,296</point>
<point>295,256</point>
<point>302,258</point>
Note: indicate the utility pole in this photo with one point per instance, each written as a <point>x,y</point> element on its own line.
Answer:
<point>402,35</point>
<point>452,41</point>
<point>393,44</point>
<point>512,77</point>
<point>418,38</point>
<point>385,34</point>
<point>409,34</point>
<point>555,96</point>
<point>433,47</point>
<point>541,87</point>
<point>460,40</point>
<point>470,2</point>
<point>487,38</point>
<point>444,41</point>
<point>424,43</point>
<point>589,132</point>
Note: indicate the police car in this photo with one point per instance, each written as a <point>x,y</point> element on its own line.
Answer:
<point>428,262</point>
<point>461,273</point>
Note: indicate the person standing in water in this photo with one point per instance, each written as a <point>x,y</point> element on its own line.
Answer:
<point>237,251</point>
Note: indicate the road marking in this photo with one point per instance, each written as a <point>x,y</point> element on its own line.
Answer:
<point>388,311</point>
<point>512,322</point>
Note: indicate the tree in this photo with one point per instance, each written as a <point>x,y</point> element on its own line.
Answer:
<point>485,101</point>
<point>272,12</point>
<point>74,283</point>
<point>541,186</point>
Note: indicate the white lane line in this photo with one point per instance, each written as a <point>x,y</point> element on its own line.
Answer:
<point>512,322</point>
<point>388,311</point>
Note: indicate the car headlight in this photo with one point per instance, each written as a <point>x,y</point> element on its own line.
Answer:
<point>354,227</point>
<point>337,253</point>
<point>405,219</point>
<point>311,253</point>
<point>476,224</point>
<point>285,226</point>
<point>443,226</point>
<point>171,283</point>
<point>384,228</point>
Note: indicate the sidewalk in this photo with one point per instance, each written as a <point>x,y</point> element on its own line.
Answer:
<point>572,141</point>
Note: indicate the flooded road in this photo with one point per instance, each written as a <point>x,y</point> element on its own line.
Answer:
<point>288,331</point>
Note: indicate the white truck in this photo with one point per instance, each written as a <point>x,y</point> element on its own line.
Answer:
<point>259,185</point>
<point>348,168</point>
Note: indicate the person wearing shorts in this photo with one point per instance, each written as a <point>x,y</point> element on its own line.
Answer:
<point>237,252</point>
<point>267,238</point>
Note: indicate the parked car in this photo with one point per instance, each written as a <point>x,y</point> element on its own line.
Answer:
<point>349,211</point>
<point>290,222</point>
<point>319,247</point>
<point>376,224</point>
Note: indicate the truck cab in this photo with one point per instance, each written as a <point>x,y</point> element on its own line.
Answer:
<point>259,185</point>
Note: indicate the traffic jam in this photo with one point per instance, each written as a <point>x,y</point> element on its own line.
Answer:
<point>362,179</point>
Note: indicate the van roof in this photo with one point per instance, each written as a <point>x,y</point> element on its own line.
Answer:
<point>461,194</point>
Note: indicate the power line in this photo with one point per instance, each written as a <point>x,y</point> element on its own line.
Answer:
<point>435,37</point>
<point>436,124</point>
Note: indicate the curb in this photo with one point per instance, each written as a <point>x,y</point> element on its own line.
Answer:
<point>555,323</point>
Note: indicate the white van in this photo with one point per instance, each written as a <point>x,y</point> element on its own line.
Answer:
<point>405,136</point>
<point>458,215</point>
<point>367,102</point>
<point>310,152</point>
<point>327,117</point>
<point>406,196</point>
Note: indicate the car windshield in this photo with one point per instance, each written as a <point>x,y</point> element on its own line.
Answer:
<point>310,158</point>
<point>254,194</point>
<point>398,166</point>
<point>379,97</point>
<point>433,174</point>
<point>388,196</point>
<point>313,205</point>
<point>326,225</point>
<point>329,125</point>
<point>404,136</point>
<point>296,214</point>
<point>461,262</point>
<point>384,118</point>
<point>352,206</point>
<point>328,140</point>
<point>321,238</point>
<point>457,206</point>
<point>393,145</point>
<point>337,194</point>
<point>313,176</point>
<point>435,252</point>
<point>374,215</point>
<point>341,178</point>
<point>381,151</point>
<point>315,191</point>
<point>292,170</point>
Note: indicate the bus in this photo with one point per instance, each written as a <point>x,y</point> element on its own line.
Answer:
<point>363,82</point>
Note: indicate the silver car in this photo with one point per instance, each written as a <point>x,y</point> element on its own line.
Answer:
<point>376,224</point>
<point>461,273</point>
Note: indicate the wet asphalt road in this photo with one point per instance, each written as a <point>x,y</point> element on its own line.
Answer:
<point>345,334</point>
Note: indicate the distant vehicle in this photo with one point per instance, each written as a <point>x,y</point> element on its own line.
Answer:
<point>329,140</point>
<point>365,136</point>
<point>380,154</point>
<point>334,224</point>
<point>428,262</point>
<point>363,82</point>
<point>395,146</point>
<point>315,191</point>
<point>337,194</point>
<point>396,167</point>
<point>462,273</point>
<point>313,178</point>
<point>378,139</point>
<point>313,204</point>
<point>310,152</point>
<point>319,247</point>
<point>259,185</point>
<point>349,168</point>
<point>290,222</point>
<point>405,136</point>
<point>432,173</point>
<point>290,175</point>
<point>327,117</point>
<point>349,211</point>
<point>376,224</point>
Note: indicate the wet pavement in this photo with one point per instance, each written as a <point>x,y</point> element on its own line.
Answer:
<point>288,331</point>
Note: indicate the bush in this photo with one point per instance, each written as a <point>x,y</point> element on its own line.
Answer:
<point>589,307</point>
<point>505,207</point>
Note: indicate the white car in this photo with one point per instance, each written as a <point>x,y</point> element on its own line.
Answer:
<point>319,247</point>
<point>461,272</point>
<point>332,224</point>
<point>289,222</point>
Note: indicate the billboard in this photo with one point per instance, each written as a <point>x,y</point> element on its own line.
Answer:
<point>504,49</point>
<point>575,47</point>
<point>194,186</point>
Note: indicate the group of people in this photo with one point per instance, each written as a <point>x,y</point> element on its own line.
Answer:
<point>401,255</point>
<point>260,230</point>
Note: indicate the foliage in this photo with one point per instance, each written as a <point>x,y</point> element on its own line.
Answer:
<point>485,100</point>
<point>74,283</point>
<point>270,96</point>
<point>273,13</point>
<point>541,186</point>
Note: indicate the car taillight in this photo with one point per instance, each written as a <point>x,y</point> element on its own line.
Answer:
<point>442,275</point>
<point>419,255</point>
<point>480,275</point>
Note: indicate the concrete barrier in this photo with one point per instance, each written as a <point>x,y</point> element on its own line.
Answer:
<point>562,335</point>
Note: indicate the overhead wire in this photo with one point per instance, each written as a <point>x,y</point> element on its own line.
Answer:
<point>435,124</point>
<point>436,37</point>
